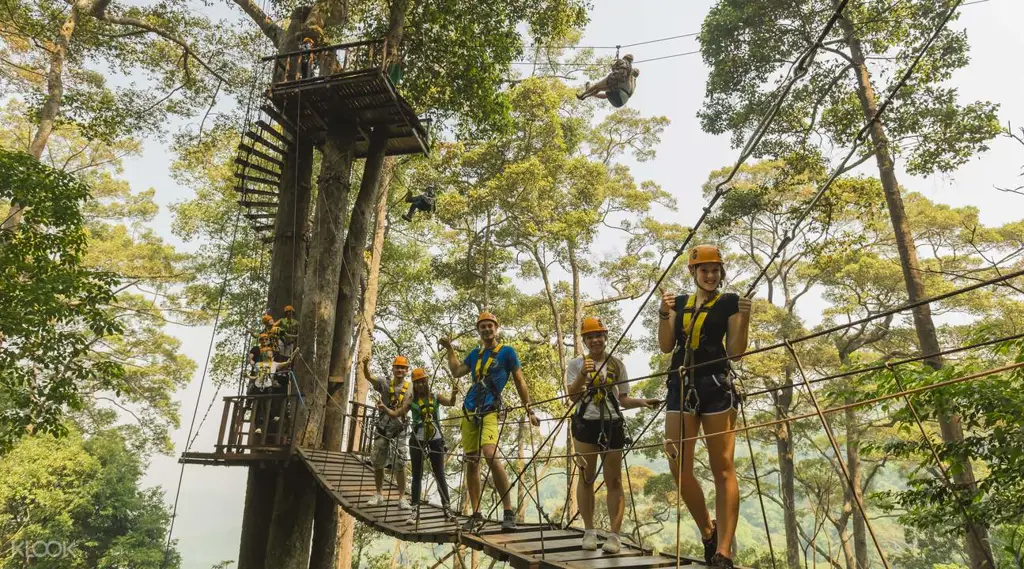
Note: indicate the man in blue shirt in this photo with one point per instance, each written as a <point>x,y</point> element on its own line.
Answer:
<point>490,365</point>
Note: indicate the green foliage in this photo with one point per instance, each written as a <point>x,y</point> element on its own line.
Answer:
<point>51,305</point>
<point>82,491</point>
<point>926,124</point>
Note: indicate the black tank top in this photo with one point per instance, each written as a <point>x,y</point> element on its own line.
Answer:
<point>711,342</point>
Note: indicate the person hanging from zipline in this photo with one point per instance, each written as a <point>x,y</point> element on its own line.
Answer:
<point>490,366</point>
<point>425,202</point>
<point>705,328</point>
<point>426,440</point>
<point>598,427</point>
<point>288,331</point>
<point>390,432</point>
<point>618,86</point>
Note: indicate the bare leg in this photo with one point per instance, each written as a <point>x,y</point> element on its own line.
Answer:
<point>689,487</point>
<point>592,91</point>
<point>400,479</point>
<point>721,452</point>
<point>378,479</point>
<point>585,487</point>
<point>498,473</point>
<point>473,480</point>
<point>613,485</point>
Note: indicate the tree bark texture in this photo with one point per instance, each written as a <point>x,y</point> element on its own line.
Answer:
<point>784,449</point>
<point>975,535</point>
<point>259,507</point>
<point>291,527</point>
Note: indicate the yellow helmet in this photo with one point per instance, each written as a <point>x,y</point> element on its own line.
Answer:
<point>485,316</point>
<point>591,325</point>
<point>704,254</point>
<point>288,309</point>
<point>401,361</point>
<point>419,374</point>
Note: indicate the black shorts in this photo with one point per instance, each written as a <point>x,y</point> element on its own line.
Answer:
<point>709,395</point>
<point>589,431</point>
<point>617,97</point>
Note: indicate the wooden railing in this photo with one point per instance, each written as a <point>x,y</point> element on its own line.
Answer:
<point>360,428</point>
<point>252,424</point>
<point>331,60</point>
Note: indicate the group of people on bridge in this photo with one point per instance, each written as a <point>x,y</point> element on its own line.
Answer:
<point>703,331</point>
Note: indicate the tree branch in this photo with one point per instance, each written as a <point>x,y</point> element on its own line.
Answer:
<point>266,25</point>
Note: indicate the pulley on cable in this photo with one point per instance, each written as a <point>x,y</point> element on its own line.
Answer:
<point>618,86</point>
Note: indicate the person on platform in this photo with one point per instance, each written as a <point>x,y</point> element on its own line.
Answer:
<point>288,331</point>
<point>702,331</point>
<point>490,366</point>
<point>390,432</point>
<point>268,378</point>
<point>426,440</point>
<point>599,387</point>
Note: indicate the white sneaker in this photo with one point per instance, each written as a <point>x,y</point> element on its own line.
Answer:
<point>377,500</point>
<point>590,540</point>
<point>413,519</point>
<point>403,505</point>
<point>612,544</point>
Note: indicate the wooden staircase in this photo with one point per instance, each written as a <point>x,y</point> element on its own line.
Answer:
<point>261,155</point>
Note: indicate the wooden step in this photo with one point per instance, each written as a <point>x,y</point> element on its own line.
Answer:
<point>250,203</point>
<point>251,192</point>
<point>256,216</point>
<point>263,227</point>
<point>273,132</point>
<point>246,177</point>
<point>278,116</point>
<point>244,148</point>
<point>261,169</point>
<point>257,137</point>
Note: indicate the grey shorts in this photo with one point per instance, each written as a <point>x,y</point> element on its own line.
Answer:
<point>390,450</point>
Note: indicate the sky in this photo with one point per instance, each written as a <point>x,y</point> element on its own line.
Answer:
<point>210,506</point>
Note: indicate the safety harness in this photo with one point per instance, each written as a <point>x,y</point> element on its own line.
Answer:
<point>482,376</point>
<point>426,410</point>
<point>395,399</point>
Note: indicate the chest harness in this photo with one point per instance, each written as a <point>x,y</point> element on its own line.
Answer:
<point>482,377</point>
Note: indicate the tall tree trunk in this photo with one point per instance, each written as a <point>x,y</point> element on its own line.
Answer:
<point>288,546</point>
<point>844,540</point>
<point>260,489</point>
<point>577,303</point>
<point>521,452</point>
<point>975,535</point>
<point>853,466</point>
<point>556,318</point>
<point>51,103</point>
<point>784,449</point>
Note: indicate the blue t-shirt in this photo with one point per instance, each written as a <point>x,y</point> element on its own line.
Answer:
<point>482,395</point>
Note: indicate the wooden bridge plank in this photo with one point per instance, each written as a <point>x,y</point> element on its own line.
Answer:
<point>547,544</point>
<point>532,536</point>
<point>583,554</point>
<point>624,562</point>
<point>249,149</point>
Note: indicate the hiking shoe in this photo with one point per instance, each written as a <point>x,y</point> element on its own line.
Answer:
<point>413,519</point>
<point>448,514</point>
<point>720,561</point>
<point>403,505</point>
<point>407,217</point>
<point>509,521</point>
<point>472,522</point>
<point>377,500</point>
<point>711,543</point>
<point>590,540</point>
<point>612,544</point>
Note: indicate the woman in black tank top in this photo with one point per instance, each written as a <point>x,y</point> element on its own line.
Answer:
<point>701,331</point>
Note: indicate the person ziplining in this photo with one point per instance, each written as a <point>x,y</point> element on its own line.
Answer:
<point>425,202</point>
<point>389,444</point>
<point>426,440</point>
<point>697,329</point>
<point>618,86</point>
<point>598,428</point>
<point>490,366</point>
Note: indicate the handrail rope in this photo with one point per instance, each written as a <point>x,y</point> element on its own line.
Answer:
<point>857,498</point>
<point>946,478</point>
<point>796,71</point>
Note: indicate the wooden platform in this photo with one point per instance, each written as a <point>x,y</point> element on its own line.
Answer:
<point>366,97</point>
<point>350,481</point>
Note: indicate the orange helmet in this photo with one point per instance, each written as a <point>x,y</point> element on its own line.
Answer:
<point>419,374</point>
<point>485,316</point>
<point>704,254</point>
<point>264,336</point>
<point>267,318</point>
<point>288,309</point>
<point>401,361</point>
<point>591,325</point>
